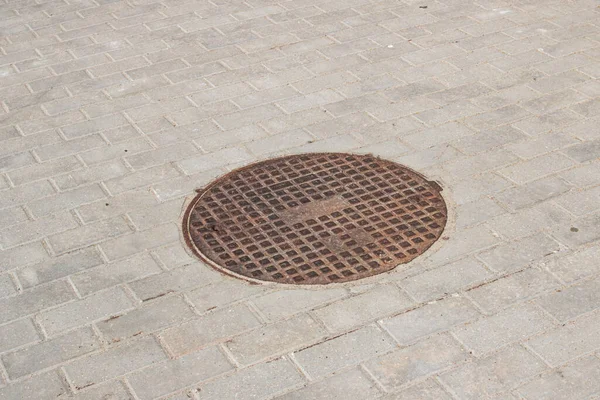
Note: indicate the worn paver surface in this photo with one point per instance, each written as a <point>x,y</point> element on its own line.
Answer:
<point>113,112</point>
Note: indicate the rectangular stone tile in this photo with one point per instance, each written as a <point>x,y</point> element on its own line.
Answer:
<point>579,380</point>
<point>279,142</point>
<point>508,326</point>
<point>583,176</point>
<point>7,287</point>
<point>50,352</point>
<point>570,302</point>
<point>164,378</point>
<point>275,339</point>
<point>95,125</point>
<point>44,170</point>
<point>23,255</point>
<point>445,280</point>
<point>501,116</point>
<point>462,243</point>
<point>215,327</point>
<point>429,319</point>
<point>113,390</point>
<point>534,192</point>
<point>248,116</point>
<point>35,300</point>
<point>282,303</point>
<point>89,234</point>
<point>105,276</point>
<point>529,221</point>
<point>44,386</point>
<point>492,375</point>
<point>343,351</point>
<point>162,155</point>
<point>69,147</point>
<point>537,168</point>
<point>337,387</point>
<point>514,255</point>
<point>577,265</point>
<point>115,151</point>
<point>219,294</point>
<point>221,140</point>
<point>260,381</point>
<point>426,358</point>
<point>141,178</point>
<point>580,202</point>
<point>114,362</point>
<point>17,334</point>
<point>428,390</point>
<point>66,200</point>
<point>435,136</point>
<point>139,241</point>
<point>36,230</point>
<point>214,160</point>
<point>86,311</point>
<point>587,230</point>
<point>175,280</point>
<point>116,205</point>
<point>508,290</point>
<point>146,319</point>
<point>185,185</point>
<point>554,101</point>
<point>358,310</point>
<point>59,267</point>
<point>582,152</point>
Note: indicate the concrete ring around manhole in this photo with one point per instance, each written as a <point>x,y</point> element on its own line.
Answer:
<point>315,219</point>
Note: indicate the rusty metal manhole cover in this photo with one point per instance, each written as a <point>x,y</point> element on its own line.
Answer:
<point>315,218</point>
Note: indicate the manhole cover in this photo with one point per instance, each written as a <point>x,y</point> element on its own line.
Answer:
<point>315,219</point>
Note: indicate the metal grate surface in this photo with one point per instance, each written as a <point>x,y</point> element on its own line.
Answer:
<point>315,218</point>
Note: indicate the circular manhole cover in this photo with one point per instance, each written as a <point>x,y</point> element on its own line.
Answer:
<point>315,218</point>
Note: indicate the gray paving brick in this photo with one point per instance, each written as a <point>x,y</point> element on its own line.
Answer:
<point>117,205</point>
<point>66,200</point>
<point>578,380</point>
<point>534,192</point>
<point>59,267</point>
<point>354,311</point>
<point>165,378</point>
<point>86,311</point>
<point>51,352</point>
<point>275,339</point>
<point>528,221</point>
<point>420,360</point>
<point>586,231</point>
<point>47,385</point>
<point>260,381</point>
<point>574,266</point>
<point>343,351</point>
<point>498,373</point>
<point>35,230</point>
<point>214,160</point>
<point>428,390</point>
<point>17,334</point>
<point>35,300</point>
<point>445,280</point>
<point>88,234</point>
<point>431,318</point>
<point>282,303</point>
<point>7,287</point>
<point>146,319</point>
<point>23,255</point>
<point>220,294</point>
<point>187,276</point>
<point>218,326</point>
<point>94,125</point>
<point>512,256</point>
<point>508,326</point>
<point>162,155</point>
<point>567,303</point>
<point>113,390</point>
<point>513,288</point>
<point>337,388</point>
<point>464,242</point>
<point>44,170</point>
<point>114,362</point>
<point>280,142</point>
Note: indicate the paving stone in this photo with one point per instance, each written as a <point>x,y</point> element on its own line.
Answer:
<point>260,381</point>
<point>146,319</point>
<point>47,385</point>
<point>107,275</point>
<point>343,351</point>
<point>218,326</point>
<point>283,303</point>
<point>140,241</point>
<point>464,242</point>
<point>495,374</point>
<point>82,312</point>
<point>358,310</point>
<point>420,360</point>
<point>429,319</point>
<point>17,334</point>
<point>534,192</point>
<point>220,294</point>
<point>578,380</point>
<point>508,326</point>
<point>536,168</point>
<point>59,267</point>
<point>445,280</point>
<point>51,352</point>
<point>429,390</point>
<point>167,377</point>
<point>523,285</point>
<point>526,222</point>
<point>187,276</point>
<point>89,234</point>
<point>586,231</point>
<point>35,300</point>
<point>23,255</point>
<point>574,266</point>
<point>113,390</point>
<point>514,255</point>
<point>337,388</point>
<point>567,303</point>
<point>7,287</point>
<point>116,361</point>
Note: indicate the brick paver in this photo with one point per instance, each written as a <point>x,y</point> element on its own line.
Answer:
<point>113,112</point>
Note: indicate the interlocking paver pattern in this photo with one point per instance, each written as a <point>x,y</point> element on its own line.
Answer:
<point>113,112</point>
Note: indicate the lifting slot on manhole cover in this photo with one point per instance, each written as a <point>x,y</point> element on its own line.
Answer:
<point>315,219</point>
